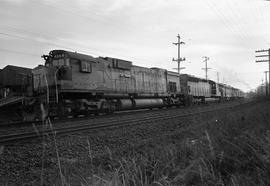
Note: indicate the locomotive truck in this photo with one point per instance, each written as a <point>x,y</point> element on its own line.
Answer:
<point>70,83</point>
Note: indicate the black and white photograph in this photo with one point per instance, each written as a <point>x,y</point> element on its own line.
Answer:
<point>135,92</point>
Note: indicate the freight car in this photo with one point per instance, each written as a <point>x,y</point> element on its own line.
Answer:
<point>71,83</point>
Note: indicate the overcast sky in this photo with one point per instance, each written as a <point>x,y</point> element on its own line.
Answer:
<point>227,31</point>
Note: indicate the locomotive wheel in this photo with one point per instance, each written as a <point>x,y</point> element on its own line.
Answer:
<point>32,113</point>
<point>108,107</point>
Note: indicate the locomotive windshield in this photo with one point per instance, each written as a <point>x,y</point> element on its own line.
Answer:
<point>60,62</point>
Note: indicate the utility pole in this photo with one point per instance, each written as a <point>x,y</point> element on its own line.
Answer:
<point>262,86</point>
<point>266,83</point>
<point>179,59</point>
<point>206,68</point>
<point>217,77</point>
<point>267,55</point>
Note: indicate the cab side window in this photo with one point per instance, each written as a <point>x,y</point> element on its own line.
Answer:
<point>86,67</point>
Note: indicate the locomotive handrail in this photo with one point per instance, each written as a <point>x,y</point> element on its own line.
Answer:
<point>10,100</point>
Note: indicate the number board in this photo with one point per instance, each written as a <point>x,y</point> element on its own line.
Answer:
<point>59,55</point>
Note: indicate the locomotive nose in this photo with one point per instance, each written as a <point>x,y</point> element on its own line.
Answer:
<point>63,73</point>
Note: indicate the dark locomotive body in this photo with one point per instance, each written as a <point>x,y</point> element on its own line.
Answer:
<point>71,83</point>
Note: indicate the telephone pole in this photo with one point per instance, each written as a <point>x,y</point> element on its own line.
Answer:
<point>206,68</point>
<point>262,86</point>
<point>266,56</point>
<point>217,77</point>
<point>266,83</point>
<point>179,59</point>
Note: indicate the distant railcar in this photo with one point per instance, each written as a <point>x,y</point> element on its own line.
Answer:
<point>15,80</point>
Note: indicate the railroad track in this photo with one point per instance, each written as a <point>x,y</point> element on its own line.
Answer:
<point>34,126</point>
<point>113,123</point>
<point>10,124</point>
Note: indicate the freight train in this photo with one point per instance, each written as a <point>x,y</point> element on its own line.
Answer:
<point>70,83</point>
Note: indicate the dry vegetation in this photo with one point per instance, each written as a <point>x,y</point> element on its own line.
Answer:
<point>232,150</point>
<point>228,148</point>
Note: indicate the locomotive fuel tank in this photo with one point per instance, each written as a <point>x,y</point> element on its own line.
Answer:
<point>148,103</point>
<point>124,104</point>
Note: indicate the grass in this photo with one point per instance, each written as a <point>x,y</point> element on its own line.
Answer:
<point>230,148</point>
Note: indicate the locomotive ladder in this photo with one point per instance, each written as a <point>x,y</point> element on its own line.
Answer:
<point>53,102</point>
<point>11,100</point>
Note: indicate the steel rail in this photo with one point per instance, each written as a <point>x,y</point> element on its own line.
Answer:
<point>84,117</point>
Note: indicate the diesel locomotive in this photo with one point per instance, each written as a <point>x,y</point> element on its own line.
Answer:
<point>70,83</point>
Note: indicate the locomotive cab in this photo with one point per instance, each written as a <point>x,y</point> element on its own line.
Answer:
<point>59,62</point>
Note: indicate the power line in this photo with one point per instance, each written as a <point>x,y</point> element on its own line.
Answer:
<point>53,44</point>
<point>42,42</point>
<point>240,22</point>
<point>223,19</point>
<point>20,30</point>
<point>50,43</point>
<point>30,39</point>
<point>234,18</point>
<point>18,52</point>
<point>86,18</point>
